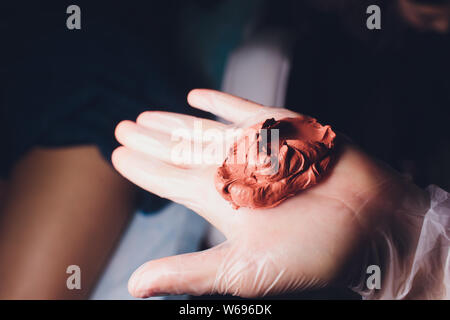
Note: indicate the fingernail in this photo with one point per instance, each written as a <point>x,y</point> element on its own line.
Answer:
<point>133,284</point>
<point>135,279</point>
<point>199,98</point>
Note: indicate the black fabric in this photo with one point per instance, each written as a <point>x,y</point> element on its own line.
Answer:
<point>61,87</point>
<point>388,90</point>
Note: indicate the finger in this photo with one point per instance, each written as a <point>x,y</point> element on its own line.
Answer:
<point>137,138</point>
<point>192,273</point>
<point>188,187</point>
<point>168,122</point>
<point>180,148</point>
<point>165,180</point>
<point>224,105</point>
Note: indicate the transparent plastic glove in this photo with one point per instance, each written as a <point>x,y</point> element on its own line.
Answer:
<point>318,237</point>
<point>415,262</point>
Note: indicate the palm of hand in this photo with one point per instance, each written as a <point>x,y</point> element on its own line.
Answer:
<point>302,243</point>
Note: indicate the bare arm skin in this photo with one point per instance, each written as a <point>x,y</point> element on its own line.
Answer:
<point>64,206</point>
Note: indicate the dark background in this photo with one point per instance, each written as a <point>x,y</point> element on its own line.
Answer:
<point>388,90</point>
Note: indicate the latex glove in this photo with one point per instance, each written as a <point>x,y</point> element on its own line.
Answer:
<point>308,241</point>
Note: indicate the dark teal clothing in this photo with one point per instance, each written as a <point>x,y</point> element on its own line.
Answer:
<point>62,87</point>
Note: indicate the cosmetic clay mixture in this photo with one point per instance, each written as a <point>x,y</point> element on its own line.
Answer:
<point>255,176</point>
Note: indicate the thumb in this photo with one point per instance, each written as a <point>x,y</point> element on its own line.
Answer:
<point>191,273</point>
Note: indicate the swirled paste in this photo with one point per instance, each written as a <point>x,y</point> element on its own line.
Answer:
<point>260,173</point>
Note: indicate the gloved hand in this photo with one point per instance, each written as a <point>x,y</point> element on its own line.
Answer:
<point>315,238</point>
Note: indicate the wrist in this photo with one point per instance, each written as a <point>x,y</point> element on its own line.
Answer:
<point>393,219</point>
<point>411,250</point>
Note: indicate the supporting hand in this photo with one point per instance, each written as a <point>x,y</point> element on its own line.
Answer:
<point>308,241</point>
